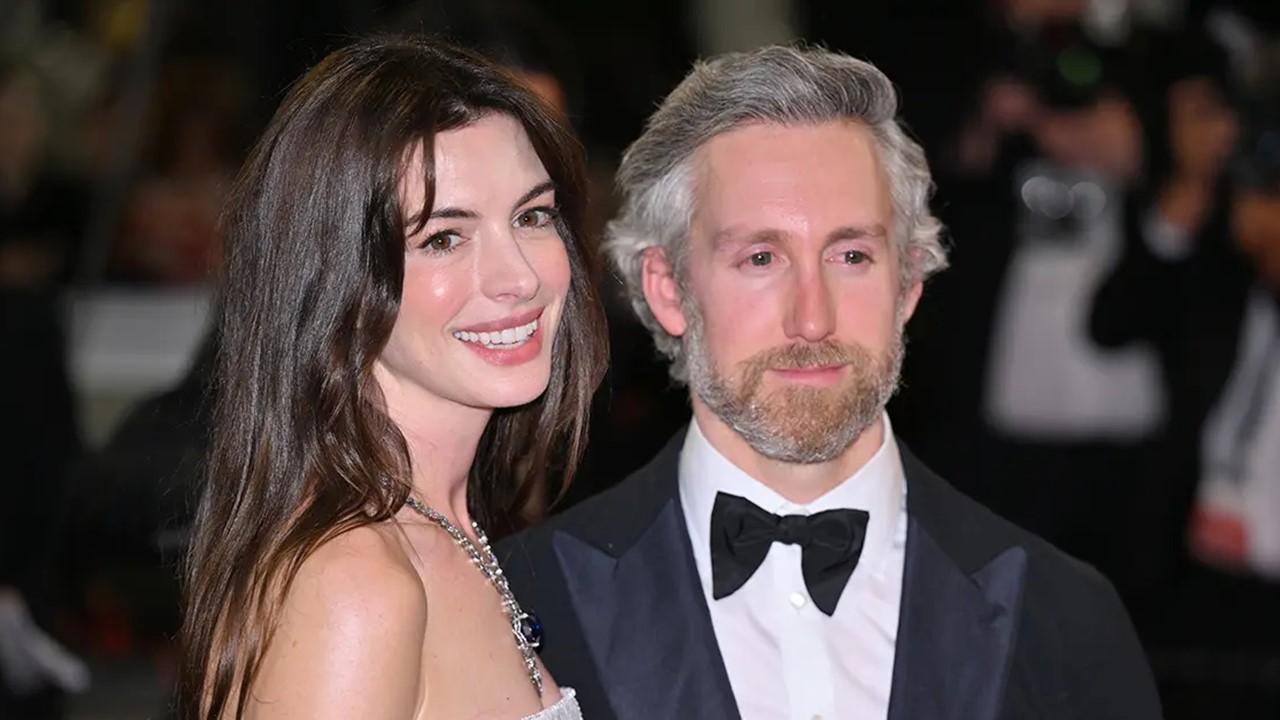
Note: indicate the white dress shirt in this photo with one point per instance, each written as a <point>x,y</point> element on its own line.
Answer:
<point>785,658</point>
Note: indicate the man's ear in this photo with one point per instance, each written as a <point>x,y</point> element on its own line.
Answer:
<point>661,290</point>
<point>910,299</point>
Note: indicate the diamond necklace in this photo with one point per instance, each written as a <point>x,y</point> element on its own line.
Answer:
<point>524,626</point>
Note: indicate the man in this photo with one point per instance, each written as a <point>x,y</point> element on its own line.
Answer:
<point>785,556</point>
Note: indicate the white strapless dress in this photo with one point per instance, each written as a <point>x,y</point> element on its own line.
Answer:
<point>566,709</point>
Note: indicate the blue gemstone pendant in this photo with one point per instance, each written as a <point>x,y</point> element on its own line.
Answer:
<point>531,630</point>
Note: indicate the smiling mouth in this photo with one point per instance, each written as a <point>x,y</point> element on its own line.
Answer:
<point>506,339</point>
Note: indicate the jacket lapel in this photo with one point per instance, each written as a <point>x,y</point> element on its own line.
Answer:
<point>635,590</point>
<point>960,608</point>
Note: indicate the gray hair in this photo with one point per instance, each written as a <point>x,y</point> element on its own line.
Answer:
<point>777,84</point>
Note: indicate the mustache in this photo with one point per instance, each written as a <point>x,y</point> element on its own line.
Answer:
<point>799,356</point>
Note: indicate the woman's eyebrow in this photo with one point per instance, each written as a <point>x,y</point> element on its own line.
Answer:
<point>535,191</point>
<point>455,213</point>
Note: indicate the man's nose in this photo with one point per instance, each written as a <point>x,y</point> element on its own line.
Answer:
<point>811,315</point>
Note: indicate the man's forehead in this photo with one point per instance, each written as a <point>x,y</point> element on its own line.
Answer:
<point>760,153</point>
<point>770,179</point>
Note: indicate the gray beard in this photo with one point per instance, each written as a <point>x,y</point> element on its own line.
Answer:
<point>801,425</point>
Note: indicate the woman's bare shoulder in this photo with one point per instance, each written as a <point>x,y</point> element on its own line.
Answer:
<point>349,642</point>
<point>367,563</point>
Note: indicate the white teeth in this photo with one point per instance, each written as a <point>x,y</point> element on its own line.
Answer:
<point>502,339</point>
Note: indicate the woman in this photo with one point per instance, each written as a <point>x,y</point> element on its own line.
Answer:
<point>410,340</point>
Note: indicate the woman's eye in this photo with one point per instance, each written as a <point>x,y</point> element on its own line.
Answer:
<point>535,218</point>
<point>854,257</point>
<point>442,242</point>
<point>760,259</point>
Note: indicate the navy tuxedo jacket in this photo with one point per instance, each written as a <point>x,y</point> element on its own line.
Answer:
<point>995,623</point>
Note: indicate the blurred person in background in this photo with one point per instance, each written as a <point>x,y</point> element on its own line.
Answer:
<point>1200,282</point>
<point>1151,293</point>
<point>409,341</point>
<point>169,227</point>
<point>41,216</point>
<point>129,519</point>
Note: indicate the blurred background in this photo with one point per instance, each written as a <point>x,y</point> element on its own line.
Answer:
<point>1098,365</point>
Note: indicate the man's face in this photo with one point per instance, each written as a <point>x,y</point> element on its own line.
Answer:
<point>791,310</point>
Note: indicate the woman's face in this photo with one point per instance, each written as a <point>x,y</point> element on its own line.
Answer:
<point>485,279</point>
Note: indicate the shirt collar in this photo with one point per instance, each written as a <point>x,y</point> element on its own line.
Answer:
<point>879,487</point>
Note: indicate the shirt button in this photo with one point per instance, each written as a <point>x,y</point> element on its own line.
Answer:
<point>797,601</point>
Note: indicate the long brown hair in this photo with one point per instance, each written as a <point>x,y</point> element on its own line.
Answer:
<point>302,450</point>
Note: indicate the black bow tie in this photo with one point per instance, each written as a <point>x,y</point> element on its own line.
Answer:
<point>742,533</point>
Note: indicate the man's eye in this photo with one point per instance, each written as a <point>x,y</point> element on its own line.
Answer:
<point>535,218</point>
<point>760,259</point>
<point>855,257</point>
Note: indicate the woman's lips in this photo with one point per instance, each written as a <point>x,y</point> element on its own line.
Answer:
<point>511,341</point>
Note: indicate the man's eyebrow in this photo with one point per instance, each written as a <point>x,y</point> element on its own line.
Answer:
<point>857,232</point>
<point>772,235</point>
<point>733,235</point>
